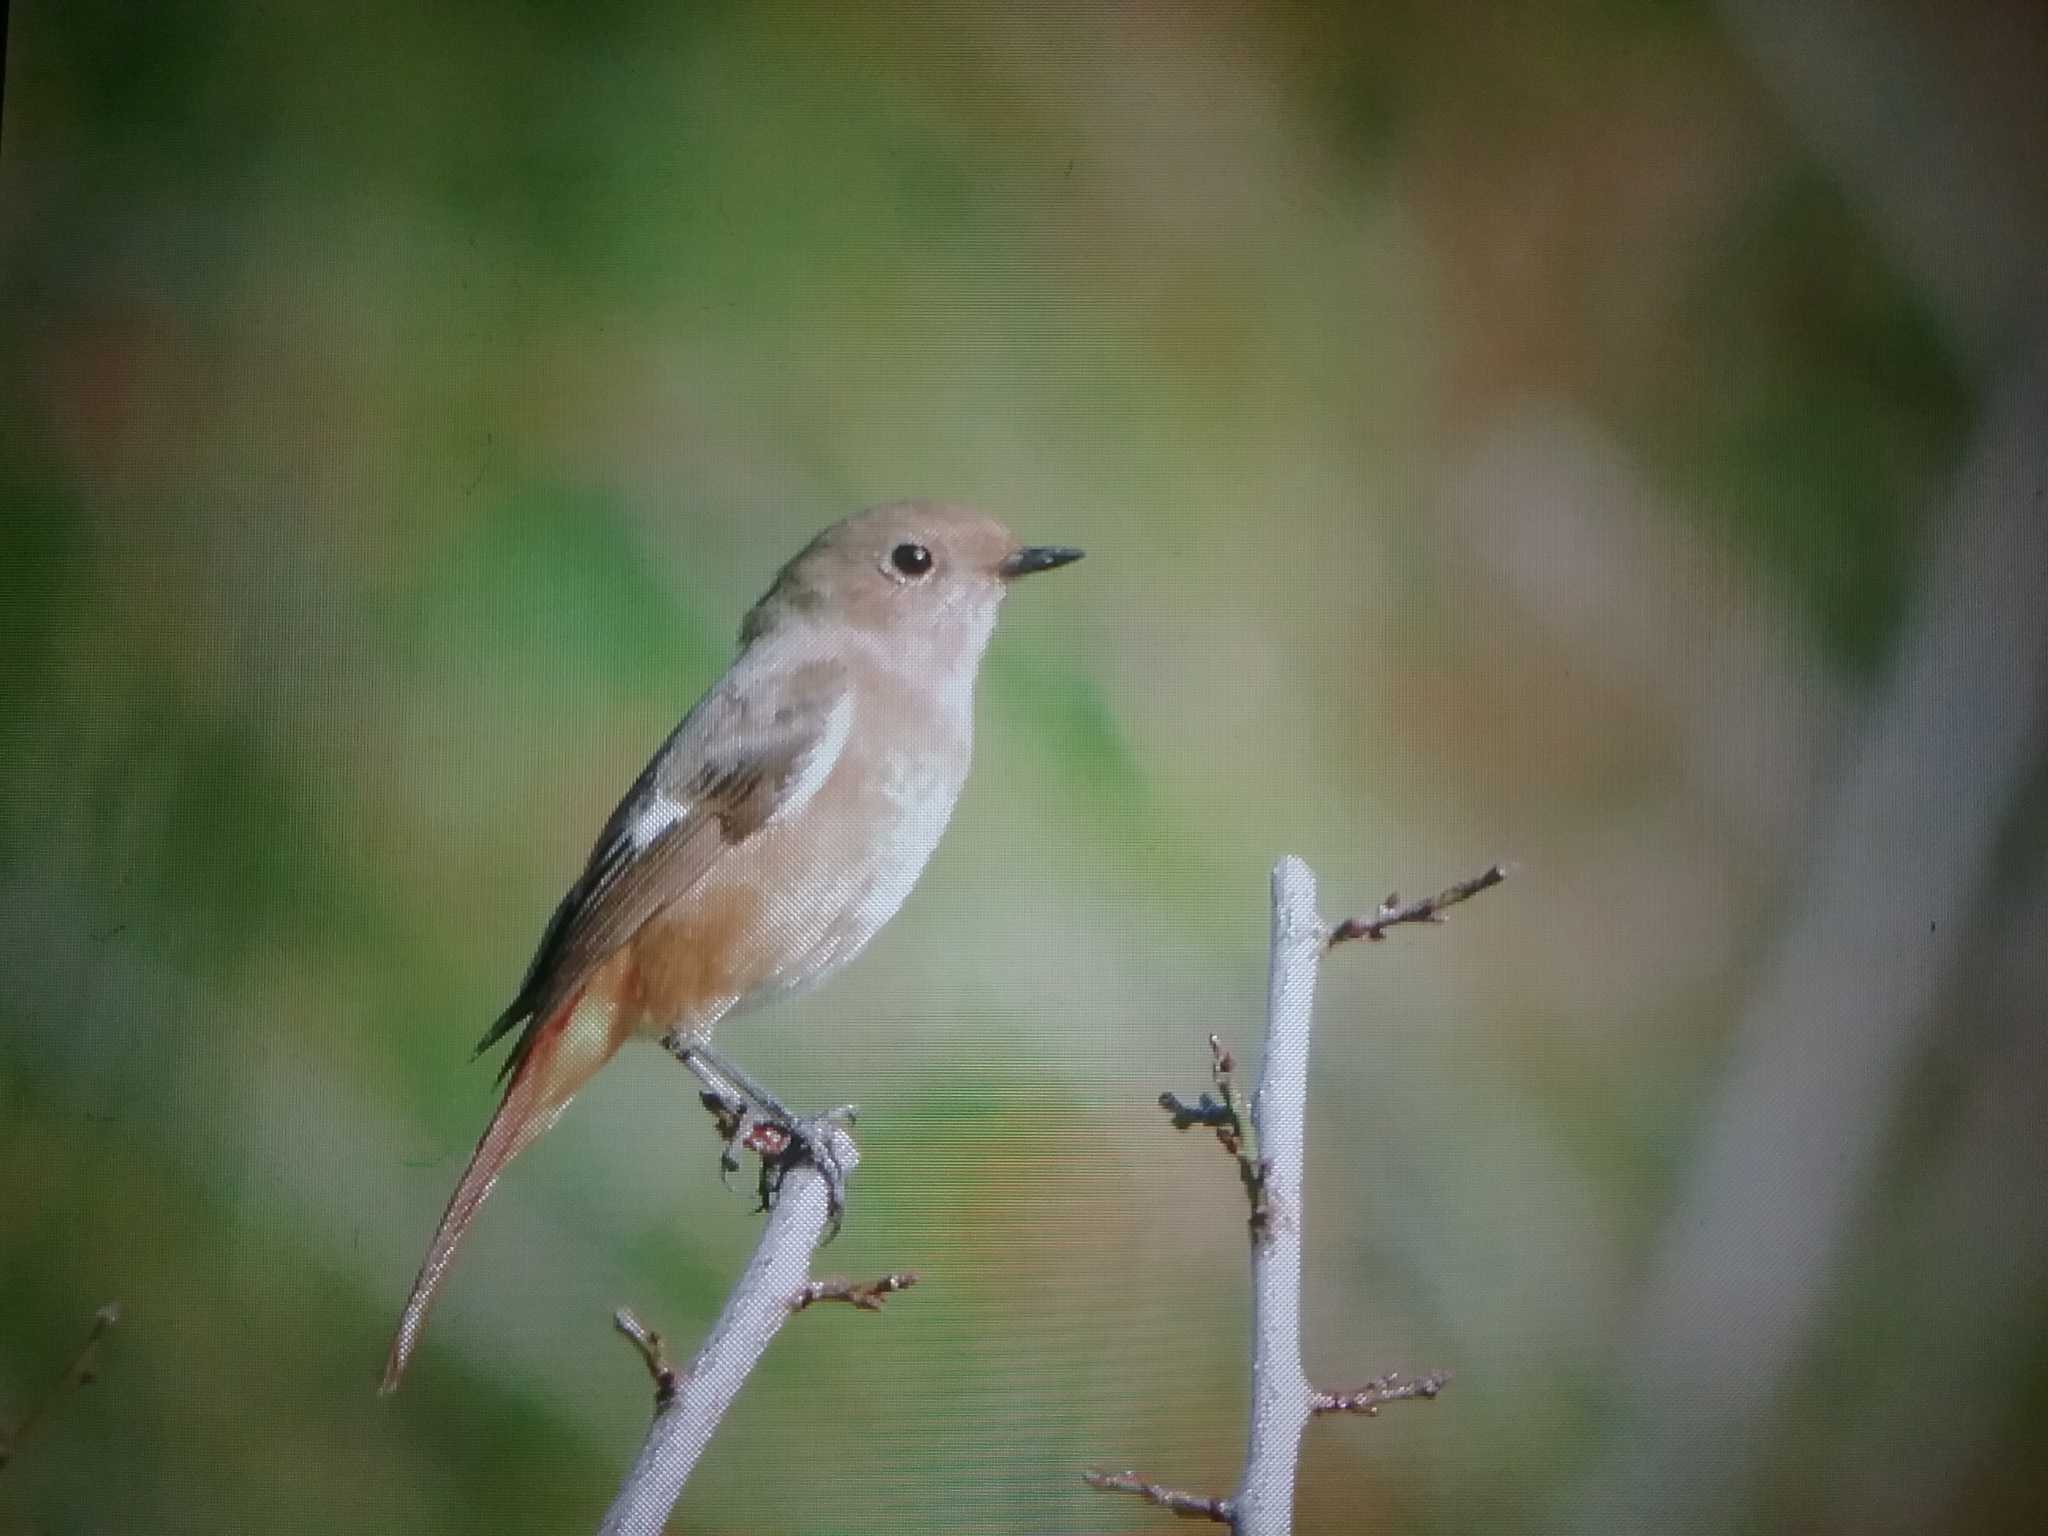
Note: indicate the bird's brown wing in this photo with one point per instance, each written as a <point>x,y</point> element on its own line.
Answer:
<point>753,747</point>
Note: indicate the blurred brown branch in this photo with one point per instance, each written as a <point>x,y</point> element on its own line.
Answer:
<point>80,1373</point>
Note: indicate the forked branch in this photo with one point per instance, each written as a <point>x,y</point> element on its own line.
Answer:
<point>690,1401</point>
<point>1269,1145</point>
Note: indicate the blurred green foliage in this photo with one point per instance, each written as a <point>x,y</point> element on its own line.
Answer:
<point>1827,413</point>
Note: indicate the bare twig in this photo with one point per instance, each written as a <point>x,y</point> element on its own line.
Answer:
<point>868,1295</point>
<point>653,1353</point>
<point>1428,910</point>
<point>1231,1119</point>
<point>1270,1144</point>
<point>689,1404</point>
<point>79,1373</point>
<point>1189,1506</point>
<point>1390,1388</point>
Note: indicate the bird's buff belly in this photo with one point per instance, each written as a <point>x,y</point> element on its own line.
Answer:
<point>796,912</point>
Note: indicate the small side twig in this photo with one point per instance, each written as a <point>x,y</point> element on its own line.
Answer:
<point>1231,1119</point>
<point>1189,1506</point>
<point>689,1403</point>
<point>868,1295</point>
<point>1370,1398</point>
<point>80,1373</point>
<point>653,1354</point>
<point>1430,909</point>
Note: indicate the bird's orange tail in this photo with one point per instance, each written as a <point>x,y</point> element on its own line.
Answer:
<point>570,1045</point>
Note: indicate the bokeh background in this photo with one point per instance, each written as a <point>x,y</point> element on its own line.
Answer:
<point>1608,436</point>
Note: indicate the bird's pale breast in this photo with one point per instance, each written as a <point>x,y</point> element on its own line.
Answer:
<point>805,893</point>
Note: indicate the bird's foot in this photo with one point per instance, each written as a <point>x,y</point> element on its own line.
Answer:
<point>750,1119</point>
<point>787,1146</point>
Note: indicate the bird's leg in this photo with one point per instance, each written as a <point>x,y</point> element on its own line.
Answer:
<point>729,1094</point>
<point>734,1090</point>
<point>752,1117</point>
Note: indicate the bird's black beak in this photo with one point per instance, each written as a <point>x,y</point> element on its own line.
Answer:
<point>1037,557</point>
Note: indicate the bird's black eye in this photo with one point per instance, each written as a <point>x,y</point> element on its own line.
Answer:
<point>911,559</point>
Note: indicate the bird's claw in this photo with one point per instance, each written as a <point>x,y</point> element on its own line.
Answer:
<point>750,1120</point>
<point>783,1143</point>
<point>727,1114</point>
<point>790,1145</point>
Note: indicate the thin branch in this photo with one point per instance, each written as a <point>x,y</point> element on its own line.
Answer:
<point>1270,1144</point>
<point>1428,910</point>
<point>1189,1506</point>
<point>80,1373</point>
<point>1390,1388</point>
<point>1264,1502</point>
<point>688,1404</point>
<point>868,1295</point>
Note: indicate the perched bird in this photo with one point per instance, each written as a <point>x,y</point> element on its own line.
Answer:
<point>772,835</point>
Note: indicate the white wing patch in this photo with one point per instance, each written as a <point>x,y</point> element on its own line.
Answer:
<point>821,759</point>
<point>655,816</point>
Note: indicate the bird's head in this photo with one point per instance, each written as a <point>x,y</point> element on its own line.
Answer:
<point>923,574</point>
